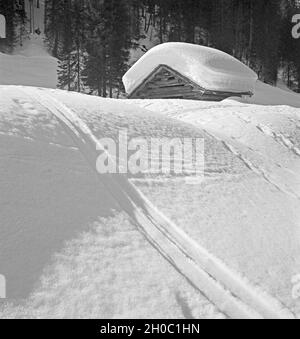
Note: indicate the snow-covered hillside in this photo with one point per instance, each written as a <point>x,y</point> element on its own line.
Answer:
<point>30,65</point>
<point>267,95</point>
<point>75,243</point>
<point>81,256</point>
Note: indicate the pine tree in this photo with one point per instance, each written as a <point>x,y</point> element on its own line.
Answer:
<point>20,21</point>
<point>266,39</point>
<point>54,24</point>
<point>72,52</point>
<point>108,45</point>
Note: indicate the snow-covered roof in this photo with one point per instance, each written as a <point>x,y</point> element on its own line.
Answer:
<point>210,68</point>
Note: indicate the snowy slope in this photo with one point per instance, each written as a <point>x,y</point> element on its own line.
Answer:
<point>68,249</point>
<point>270,96</point>
<point>247,220</point>
<point>208,67</point>
<point>69,230</point>
<point>31,65</point>
<point>251,220</point>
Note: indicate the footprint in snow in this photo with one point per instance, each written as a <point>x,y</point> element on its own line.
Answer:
<point>27,106</point>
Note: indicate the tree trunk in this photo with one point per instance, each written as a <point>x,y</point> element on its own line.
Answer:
<point>251,28</point>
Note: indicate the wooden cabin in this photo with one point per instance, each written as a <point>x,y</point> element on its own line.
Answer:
<point>166,83</point>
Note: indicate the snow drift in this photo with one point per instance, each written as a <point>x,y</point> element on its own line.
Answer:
<point>208,67</point>
<point>252,170</point>
<point>57,225</point>
<point>267,95</point>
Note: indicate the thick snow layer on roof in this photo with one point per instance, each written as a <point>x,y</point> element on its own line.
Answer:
<point>208,67</point>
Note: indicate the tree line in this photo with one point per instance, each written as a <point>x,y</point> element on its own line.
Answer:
<point>94,39</point>
<point>257,32</point>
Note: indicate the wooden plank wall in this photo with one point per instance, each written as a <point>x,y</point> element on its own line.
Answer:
<point>165,83</point>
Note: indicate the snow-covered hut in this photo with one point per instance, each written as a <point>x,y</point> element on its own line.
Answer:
<point>187,71</point>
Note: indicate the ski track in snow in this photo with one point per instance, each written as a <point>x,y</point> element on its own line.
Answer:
<point>231,294</point>
<point>280,138</point>
<point>268,131</point>
<point>242,150</point>
<point>256,169</point>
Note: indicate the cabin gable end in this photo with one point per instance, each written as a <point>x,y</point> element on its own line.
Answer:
<point>165,82</point>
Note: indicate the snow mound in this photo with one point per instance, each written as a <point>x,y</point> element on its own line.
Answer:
<point>63,218</point>
<point>208,67</point>
<point>267,95</point>
<point>249,203</point>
